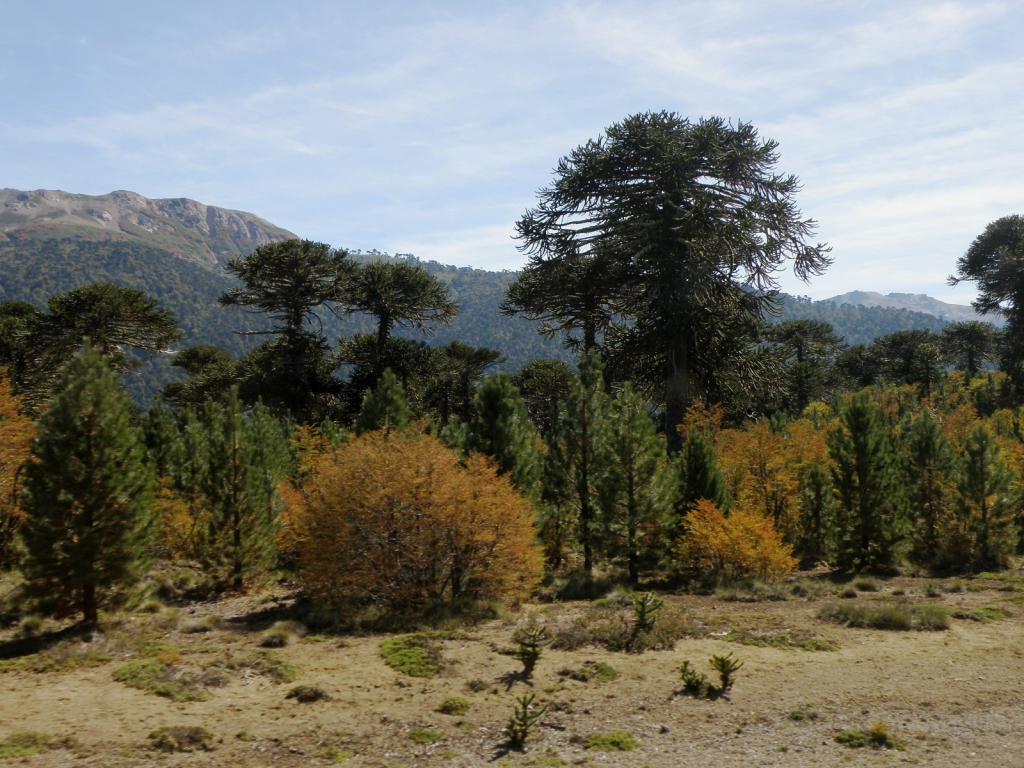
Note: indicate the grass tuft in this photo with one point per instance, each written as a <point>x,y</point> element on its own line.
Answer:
<point>616,741</point>
<point>876,737</point>
<point>417,655</point>
<point>887,615</point>
<point>454,706</point>
<point>425,736</point>
<point>181,738</point>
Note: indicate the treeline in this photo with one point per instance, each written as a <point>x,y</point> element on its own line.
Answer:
<point>694,440</point>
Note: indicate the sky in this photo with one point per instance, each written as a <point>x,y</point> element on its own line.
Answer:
<point>428,128</point>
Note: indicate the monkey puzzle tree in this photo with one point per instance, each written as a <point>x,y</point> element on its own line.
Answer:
<point>995,261</point>
<point>113,320</point>
<point>291,281</point>
<point>970,345</point>
<point>808,350</point>
<point>398,294</point>
<point>697,222</point>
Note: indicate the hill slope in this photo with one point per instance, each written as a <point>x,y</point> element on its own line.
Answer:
<point>185,228</point>
<point>913,302</point>
<point>51,242</point>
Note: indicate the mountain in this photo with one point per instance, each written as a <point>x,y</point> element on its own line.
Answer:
<point>192,231</point>
<point>175,250</point>
<point>914,302</point>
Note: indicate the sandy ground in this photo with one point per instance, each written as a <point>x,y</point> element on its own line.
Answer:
<point>955,697</point>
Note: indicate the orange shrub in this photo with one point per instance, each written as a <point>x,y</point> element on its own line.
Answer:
<point>393,518</point>
<point>16,433</point>
<point>743,545</point>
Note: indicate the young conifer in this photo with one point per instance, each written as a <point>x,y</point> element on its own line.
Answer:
<point>385,406</point>
<point>869,489</point>
<point>984,509</point>
<point>635,492</point>
<point>248,456</point>
<point>88,494</point>
<point>501,428</point>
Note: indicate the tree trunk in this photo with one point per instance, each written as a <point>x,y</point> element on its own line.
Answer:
<point>631,524</point>
<point>677,394</point>
<point>90,609</point>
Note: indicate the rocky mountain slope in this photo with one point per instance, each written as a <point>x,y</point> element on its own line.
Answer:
<point>914,302</point>
<point>199,233</point>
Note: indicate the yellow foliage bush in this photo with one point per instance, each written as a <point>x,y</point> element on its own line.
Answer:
<point>743,545</point>
<point>395,519</point>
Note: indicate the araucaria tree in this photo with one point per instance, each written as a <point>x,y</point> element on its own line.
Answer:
<point>636,489</point>
<point>994,261</point>
<point>697,222</point>
<point>398,294</point>
<point>870,502</point>
<point>291,281</point>
<point>247,457</point>
<point>88,494</point>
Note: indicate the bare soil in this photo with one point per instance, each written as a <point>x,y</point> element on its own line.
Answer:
<point>953,697</point>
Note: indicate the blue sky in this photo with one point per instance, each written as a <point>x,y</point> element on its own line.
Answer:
<point>428,127</point>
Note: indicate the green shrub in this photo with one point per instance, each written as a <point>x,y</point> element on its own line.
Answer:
<point>695,683</point>
<point>616,741</point>
<point>307,694</point>
<point>28,743</point>
<point>596,671</point>
<point>181,738</point>
<point>477,685</point>
<point>803,712</point>
<point>425,736</point>
<point>983,615</point>
<point>153,676</point>
<point>866,585</point>
<point>454,706</point>
<point>417,655</point>
<point>282,634</point>
<point>876,737</point>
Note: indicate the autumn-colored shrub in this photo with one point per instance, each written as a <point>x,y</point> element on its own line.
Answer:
<point>393,518</point>
<point>16,433</point>
<point>743,545</point>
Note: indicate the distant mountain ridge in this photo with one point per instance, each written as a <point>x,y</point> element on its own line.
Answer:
<point>191,230</point>
<point>175,250</point>
<point>915,302</point>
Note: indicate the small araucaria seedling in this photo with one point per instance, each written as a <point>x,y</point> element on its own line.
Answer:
<point>525,717</point>
<point>646,606</point>
<point>726,667</point>
<point>530,642</point>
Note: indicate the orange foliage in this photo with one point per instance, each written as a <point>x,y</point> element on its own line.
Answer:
<point>16,434</point>
<point>703,418</point>
<point>763,469</point>
<point>743,545</point>
<point>393,518</point>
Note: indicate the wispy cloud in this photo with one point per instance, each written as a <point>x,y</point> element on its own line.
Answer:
<point>430,130</point>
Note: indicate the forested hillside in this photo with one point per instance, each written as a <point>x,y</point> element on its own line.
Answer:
<point>34,269</point>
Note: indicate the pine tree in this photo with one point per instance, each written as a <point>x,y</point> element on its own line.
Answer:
<point>698,475</point>
<point>247,457</point>
<point>88,493</point>
<point>984,507</point>
<point>868,486</point>
<point>575,454</point>
<point>384,406</point>
<point>501,428</point>
<point>635,492</point>
<point>816,516</point>
<point>931,476</point>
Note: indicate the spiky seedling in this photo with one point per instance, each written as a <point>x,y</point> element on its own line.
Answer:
<point>525,717</point>
<point>646,606</point>
<point>726,667</point>
<point>694,683</point>
<point>530,642</point>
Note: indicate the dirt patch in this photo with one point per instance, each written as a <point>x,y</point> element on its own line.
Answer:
<point>948,697</point>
